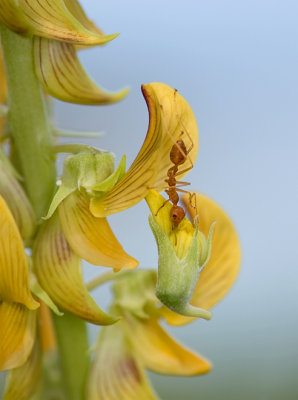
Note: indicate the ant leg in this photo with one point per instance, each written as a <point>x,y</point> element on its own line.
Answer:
<point>193,205</point>
<point>181,184</point>
<point>184,170</point>
<point>188,135</point>
<point>182,191</point>
<point>161,207</point>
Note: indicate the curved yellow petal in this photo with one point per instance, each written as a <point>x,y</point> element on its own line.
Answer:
<point>11,15</point>
<point>62,75</point>
<point>222,268</point>
<point>59,272</point>
<point>77,11</point>
<point>91,238</point>
<point>14,270</point>
<point>18,203</point>
<point>160,353</point>
<point>170,118</point>
<point>54,20</point>
<point>22,381</point>
<point>17,326</point>
<point>116,373</point>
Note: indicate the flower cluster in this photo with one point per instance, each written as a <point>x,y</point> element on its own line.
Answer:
<point>41,259</point>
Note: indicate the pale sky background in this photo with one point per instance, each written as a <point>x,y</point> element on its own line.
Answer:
<point>236,63</point>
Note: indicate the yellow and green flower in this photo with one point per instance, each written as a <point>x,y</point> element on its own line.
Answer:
<point>57,28</point>
<point>46,230</point>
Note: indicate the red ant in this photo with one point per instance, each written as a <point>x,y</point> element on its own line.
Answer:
<point>178,156</point>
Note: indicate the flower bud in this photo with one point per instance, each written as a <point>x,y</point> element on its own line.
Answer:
<point>183,253</point>
<point>91,170</point>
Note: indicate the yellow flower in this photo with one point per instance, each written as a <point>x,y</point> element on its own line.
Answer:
<point>90,190</point>
<point>56,28</point>
<point>170,118</point>
<point>136,343</point>
<point>219,255</point>
<point>17,315</point>
<point>183,252</point>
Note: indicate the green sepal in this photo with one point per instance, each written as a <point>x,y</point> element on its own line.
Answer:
<point>135,292</point>
<point>91,170</point>
<point>106,185</point>
<point>177,278</point>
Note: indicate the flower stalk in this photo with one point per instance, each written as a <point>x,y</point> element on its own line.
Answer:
<point>30,128</point>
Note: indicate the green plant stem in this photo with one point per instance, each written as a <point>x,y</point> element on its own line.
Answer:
<point>72,133</point>
<point>103,278</point>
<point>73,344</point>
<point>28,120</point>
<point>32,140</point>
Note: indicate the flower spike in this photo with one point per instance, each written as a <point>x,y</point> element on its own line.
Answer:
<point>62,75</point>
<point>170,119</point>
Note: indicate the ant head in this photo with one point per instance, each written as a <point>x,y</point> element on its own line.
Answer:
<point>177,214</point>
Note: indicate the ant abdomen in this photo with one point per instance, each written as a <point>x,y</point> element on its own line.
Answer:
<point>178,153</point>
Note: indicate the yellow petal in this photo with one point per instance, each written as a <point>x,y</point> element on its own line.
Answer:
<point>18,203</point>
<point>180,237</point>
<point>59,272</point>
<point>170,119</point>
<point>91,238</point>
<point>14,271</point>
<point>12,16</point>
<point>116,374</point>
<point>160,353</point>
<point>17,327</point>
<point>62,75</point>
<point>77,11</point>
<point>22,381</point>
<point>54,20</point>
<point>222,268</point>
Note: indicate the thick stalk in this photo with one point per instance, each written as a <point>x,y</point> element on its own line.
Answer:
<point>32,139</point>
<point>72,339</point>
<point>27,116</point>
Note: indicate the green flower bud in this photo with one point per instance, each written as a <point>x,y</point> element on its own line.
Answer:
<point>183,253</point>
<point>91,170</point>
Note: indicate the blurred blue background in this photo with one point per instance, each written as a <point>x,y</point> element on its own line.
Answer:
<point>236,63</point>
